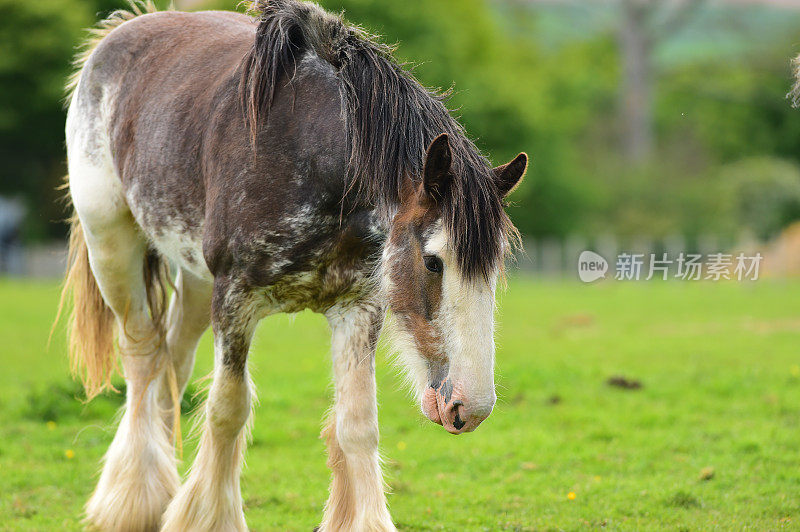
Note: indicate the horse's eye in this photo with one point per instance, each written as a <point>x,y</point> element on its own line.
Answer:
<point>434,263</point>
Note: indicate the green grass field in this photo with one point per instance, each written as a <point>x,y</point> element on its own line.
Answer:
<point>710,441</point>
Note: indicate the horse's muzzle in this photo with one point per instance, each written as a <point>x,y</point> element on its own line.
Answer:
<point>457,415</point>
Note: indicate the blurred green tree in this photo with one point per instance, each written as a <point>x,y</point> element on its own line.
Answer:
<point>36,48</point>
<point>514,93</point>
<point>764,194</point>
<point>37,43</point>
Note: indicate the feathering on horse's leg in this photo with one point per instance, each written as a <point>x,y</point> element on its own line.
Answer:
<point>357,500</point>
<point>210,498</point>
<point>139,474</point>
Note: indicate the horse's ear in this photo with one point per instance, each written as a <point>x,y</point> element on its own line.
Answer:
<point>436,175</point>
<point>508,176</point>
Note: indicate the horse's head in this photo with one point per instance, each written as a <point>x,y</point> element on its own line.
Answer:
<point>444,311</point>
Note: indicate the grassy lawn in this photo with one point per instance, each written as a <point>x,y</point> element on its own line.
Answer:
<point>710,441</point>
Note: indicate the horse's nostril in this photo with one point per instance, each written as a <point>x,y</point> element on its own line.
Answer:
<point>458,423</point>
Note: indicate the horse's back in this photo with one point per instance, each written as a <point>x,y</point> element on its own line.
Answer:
<point>162,91</point>
<point>137,119</point>
<point>169,47</point>
<point>163,70</point>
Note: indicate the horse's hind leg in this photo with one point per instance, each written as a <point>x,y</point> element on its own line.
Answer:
<point>188,318</point>
<point>139,475</point>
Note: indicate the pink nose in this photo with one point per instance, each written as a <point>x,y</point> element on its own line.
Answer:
<point>456,415</point>
<point>458,419</point>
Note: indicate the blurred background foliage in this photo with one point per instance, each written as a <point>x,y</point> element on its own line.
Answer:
<point>641,117</point>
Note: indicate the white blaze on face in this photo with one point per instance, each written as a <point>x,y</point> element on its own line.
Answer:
<point>466,323</point>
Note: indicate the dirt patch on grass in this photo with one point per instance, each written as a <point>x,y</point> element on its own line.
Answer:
<point>619,381</point>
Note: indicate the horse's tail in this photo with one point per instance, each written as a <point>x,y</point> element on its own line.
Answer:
<point>91,322</point>
<point>91,333</point>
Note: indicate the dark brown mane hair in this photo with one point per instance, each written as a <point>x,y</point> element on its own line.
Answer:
<point>391,119</point>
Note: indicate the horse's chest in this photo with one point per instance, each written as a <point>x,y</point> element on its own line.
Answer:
<point>333,264</point>
<point>317,290</point>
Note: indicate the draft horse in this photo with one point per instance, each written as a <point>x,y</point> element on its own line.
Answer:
<point>277,162</point>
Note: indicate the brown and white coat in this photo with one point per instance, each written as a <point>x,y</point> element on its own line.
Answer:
<point>278,162</point>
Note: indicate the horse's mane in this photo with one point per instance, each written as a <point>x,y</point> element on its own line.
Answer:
<point>391,119</point>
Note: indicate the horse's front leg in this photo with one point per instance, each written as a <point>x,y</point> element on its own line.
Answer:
<point>210,498</point>
<point>357,501</point>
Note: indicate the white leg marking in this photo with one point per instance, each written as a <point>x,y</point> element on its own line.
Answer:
<point>357,500</point>
<point>139,475</point>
